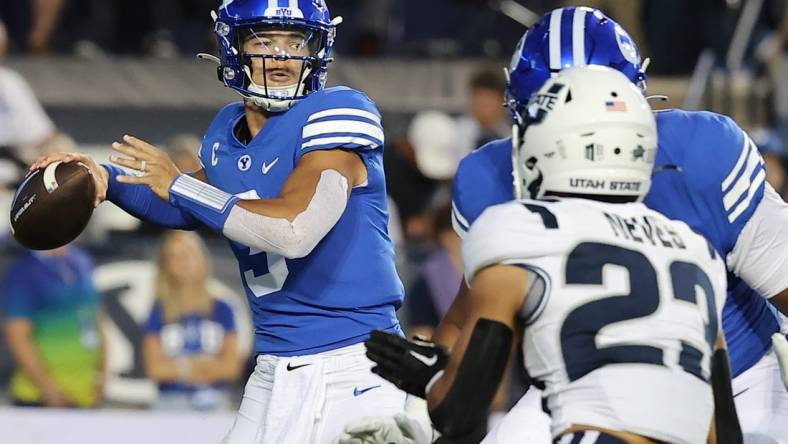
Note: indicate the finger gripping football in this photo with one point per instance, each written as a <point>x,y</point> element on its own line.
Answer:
<point>52,205</point>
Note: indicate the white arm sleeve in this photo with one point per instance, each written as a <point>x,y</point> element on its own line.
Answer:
<point>760,256</point>
<point>298,238</point>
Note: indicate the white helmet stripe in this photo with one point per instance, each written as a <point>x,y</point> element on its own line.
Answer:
<point>555,39</point>
<point>579,37</point>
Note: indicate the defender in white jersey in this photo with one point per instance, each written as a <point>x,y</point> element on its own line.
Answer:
<point>618,306</point>
<point>620,316</point>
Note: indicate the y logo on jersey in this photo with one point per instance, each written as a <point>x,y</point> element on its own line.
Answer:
<point>214,149</point>
<point>267,166</point>
<point>245,162</point>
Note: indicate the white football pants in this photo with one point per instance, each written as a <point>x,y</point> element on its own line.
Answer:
<point>760,396</point>
<point>309,399</point>
<point>762,402</point>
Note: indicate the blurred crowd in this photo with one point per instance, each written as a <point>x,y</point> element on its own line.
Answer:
<point>372,28</point>
<point>185,338</point>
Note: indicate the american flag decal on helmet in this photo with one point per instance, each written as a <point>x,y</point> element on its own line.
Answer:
<point>616,106</point>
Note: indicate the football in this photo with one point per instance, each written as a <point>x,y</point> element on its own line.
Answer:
<point>52,205</point>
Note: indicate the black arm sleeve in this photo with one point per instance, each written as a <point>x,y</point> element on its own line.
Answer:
<point>727,421</point>
<point>478,377</point>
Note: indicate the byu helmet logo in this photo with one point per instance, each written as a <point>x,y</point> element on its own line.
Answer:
<point>627,46</point>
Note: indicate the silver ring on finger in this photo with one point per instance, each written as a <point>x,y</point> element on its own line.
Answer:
<point>143,166</point>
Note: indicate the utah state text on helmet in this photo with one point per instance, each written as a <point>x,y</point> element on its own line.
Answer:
<point>274,52</point>
<point>587,131</point>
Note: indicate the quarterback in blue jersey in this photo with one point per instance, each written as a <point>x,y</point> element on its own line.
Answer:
<point>708,173</point>
<point>293,177</point>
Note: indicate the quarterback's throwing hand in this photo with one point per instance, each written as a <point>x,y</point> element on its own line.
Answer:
<point>157,169</point>
<point>410,365</point>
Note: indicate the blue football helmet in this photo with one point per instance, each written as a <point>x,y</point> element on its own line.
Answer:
<point>567,37</point>
<point>256,37</point>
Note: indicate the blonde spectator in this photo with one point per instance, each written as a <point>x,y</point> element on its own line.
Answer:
<point>191,343</point>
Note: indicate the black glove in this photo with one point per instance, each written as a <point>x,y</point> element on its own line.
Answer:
<point>410,365</point>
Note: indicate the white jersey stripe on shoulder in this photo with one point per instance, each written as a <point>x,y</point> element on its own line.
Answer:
<point>742,184</point>
<point>339,141</point>
<point>566,439</point>
<point>579,36</point>
<point>756,184</point>
<point>342,126</point>
<point>555,39</point>
<point>739,162</point>
<point>344,112</point>
<point>459,215</point>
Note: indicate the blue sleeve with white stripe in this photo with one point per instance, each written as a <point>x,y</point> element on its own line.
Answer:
<point>724,173</point>
<point>341,118</point>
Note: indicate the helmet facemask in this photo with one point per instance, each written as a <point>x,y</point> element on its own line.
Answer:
<point>279,63</point>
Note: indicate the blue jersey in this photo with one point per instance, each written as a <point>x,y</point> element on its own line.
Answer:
<point>347,286</point>
<point>707,174</point>
<point>190,335</point>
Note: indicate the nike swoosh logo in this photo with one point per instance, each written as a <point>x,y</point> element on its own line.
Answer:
<point>359,392</point>
<point>429,362</point>
<point>291,367</point>
<point>267,168</point>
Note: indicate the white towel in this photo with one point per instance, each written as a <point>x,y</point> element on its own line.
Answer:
<point>296,401</point>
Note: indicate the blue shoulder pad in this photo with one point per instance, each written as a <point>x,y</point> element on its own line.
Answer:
<point>340,117</point>
<point>724,173</point>
<point>483,179</point>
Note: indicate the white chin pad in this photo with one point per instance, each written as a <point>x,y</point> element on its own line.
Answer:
<point>278,98</point>
<point>298,238</point>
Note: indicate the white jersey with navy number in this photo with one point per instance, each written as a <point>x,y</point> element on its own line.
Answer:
<point>347,286</point>
<point>621,314</point>
<point>708,174</point>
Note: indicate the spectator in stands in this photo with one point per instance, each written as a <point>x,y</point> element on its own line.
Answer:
<point>184,149</point>
<point>33,22</point>
<point>26,131</point>
<point>46,17</point>
<point>438,279</point>
<point>50,308</point>
<point>191,343</point>
<point>486,119</point>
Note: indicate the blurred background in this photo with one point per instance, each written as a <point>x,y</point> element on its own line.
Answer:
<point>78,74</point>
